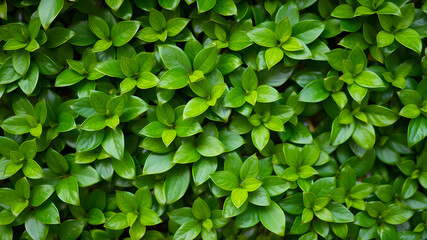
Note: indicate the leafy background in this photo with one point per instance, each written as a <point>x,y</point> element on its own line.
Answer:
<point>213,119</point>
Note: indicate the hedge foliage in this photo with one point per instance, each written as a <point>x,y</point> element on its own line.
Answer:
<point>213,119</point>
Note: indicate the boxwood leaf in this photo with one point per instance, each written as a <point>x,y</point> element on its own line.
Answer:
<point>176,183</point>
<point>273,218</point>
<point>114,143</point>
<point>263,37</point>
<point>123,32</point>
<point>48,10</point>
<point>35,228</point>
<point>209,146</point>
<point>48,213</point>
<point>68,191</point>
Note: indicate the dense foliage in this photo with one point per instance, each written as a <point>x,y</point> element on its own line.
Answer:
<point>213,119</point>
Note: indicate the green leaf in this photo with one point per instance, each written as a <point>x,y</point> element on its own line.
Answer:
<point>389,8</point>
<point>87,141</point>
<point>343,11</point>
<point>28,82</point>
<point>229,210</point>
<point>168,4</point>
<point>202,169</point>
<point>56,162</point>
<point>48,213</point>
<point>205,5</point>
<point>168,136</point>
<point>123,32</point>
<point>209,146</point>
<point>308,31</point>
<point>157,20</point>
<point>298,49</point>
<point>313,92</point>
<point>114,4</point>
<point>187,127</point>
<point>98,100</point>
<point>249,168</point>
<point>263,37</point>
<point>238,41</point>
<point>186,153</point>
<point>68,191</point>
<point>417,130</point>
<point>273,218</point>
<point>174,79</point>
<point>7,145</point>
<point>165,114</point>
<point>99,27</point>
<point>32,170</point>
<point>290,10</point>
<point>195,107</point>
<point>117,221</point>
<point>57,36</point>
<point>110,68</point>
<point>260,197</point>
<point>85,175</point>
<point>357,92</point>
<point>225,7</point>
<point>95,122</point>
<point>369,79</point>
<point>293,45</point>
<point>380,116</point>
<point>21,61</point>
<point>364,134</point>
<point>340,213</point>
<point>357,56</point>
<point>173,57</point>
<point>8,72</point>
<point>205,60</point>
<point>158,163</point>
<point>410,111</point>
<point>182,215</point>
<point>48,10</point>
<point>135,106</point>
<point>176,25</point>
<point>235,98</point>
<point>409,38</point>
<point>154,129</point>
<point>336,57</point>
<point>40,193</point>
<point>260,136</point>
<point>96,217</point>
<point>114,143</point>
<point>148,34</point>
<point>384,39</point>
<point>149,217</point>
<point>397,215</point>
<point>126,201</point>
<point>283,30</point>
<point>177,183</point>
<point>35,228</point>
<point>352,40</point>
<point>275,185</point>
<point>16,125</point>
<point>189,230</point>
<point>273,56</point>
<point>227,63</point>
<point>406,18</point>
<point>239,196</point>
<point>201,209</point>
<point>125,168</point>
<point>251,184</point>
<point>225,180</point>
